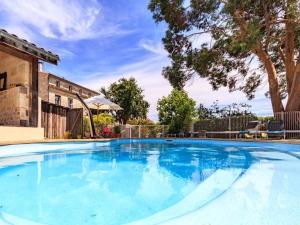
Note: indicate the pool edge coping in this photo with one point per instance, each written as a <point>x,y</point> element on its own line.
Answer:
<point>295,141</point>
<point>54,141</point>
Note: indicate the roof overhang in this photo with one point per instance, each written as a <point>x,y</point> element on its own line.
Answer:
<point>24,46</point>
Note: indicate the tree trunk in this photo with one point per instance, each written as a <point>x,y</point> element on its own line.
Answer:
<point>269,65</point>
<point>293,103</point>
<point>272,78</point>
<point>277,105</point>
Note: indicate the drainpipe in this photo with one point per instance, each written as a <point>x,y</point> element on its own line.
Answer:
<point>41,66</point>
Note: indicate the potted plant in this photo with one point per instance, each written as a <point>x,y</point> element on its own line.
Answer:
<point>117,131</point>
<point>67,135</point>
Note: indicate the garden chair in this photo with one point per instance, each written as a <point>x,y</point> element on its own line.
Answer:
<point>251,130</point>
<point>275,129</point>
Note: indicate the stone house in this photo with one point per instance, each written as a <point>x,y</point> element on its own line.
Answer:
<point>23,88</point>
<point>59,91</point>
<point>19,100</point>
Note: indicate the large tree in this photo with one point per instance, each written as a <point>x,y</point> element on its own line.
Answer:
<point>234,43</point>
<point>176,110</point>
<point>127,94</point>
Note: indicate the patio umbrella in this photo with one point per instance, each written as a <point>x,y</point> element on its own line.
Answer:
<point>99,102</point>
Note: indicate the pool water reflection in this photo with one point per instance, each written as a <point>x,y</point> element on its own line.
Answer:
<point>123,182</point>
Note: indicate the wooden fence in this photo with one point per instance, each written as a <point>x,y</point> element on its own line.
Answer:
<point>291,122</point>
<point>223,124</point>
<point>57,120</point>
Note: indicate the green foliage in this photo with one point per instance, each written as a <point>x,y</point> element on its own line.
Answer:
<point>86,124</point>
<point>204,113</point>
<point>140,121</point>
<point>117,130</point>
<point>216,111</point>
<point>265,118</point>
<point>129,96</point>
<point>103,119</point>
<point>100,121</point>
<point>219,40</point>
<point>176,110</point>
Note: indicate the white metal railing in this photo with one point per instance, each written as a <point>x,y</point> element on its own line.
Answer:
<point>143,131</point>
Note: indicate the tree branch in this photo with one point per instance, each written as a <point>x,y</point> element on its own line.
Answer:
<point>265,59</point>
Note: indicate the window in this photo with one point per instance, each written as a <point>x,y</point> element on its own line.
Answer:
<point>57,83</point>
<point>70,102</point>
<point>3,81</point>
<point>70,88</point>
<point>57,100</point>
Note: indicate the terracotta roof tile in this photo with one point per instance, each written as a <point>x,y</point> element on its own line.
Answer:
<point>27,47</point>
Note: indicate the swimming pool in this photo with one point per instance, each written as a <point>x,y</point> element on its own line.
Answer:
<point>150,181</point>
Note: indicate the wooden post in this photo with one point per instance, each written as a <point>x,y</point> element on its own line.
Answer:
<point>139,131</point>
<point>34,115</point>
<point>229,126</point>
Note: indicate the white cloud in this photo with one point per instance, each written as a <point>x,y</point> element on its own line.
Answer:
<point>64,20</point>
<point>151,46</point>
<point>64,53</point>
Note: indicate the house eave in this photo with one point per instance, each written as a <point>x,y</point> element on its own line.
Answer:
<point>72,83</point>
<point>24,46</point>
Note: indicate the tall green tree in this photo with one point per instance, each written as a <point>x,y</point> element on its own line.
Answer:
<point>176,110</point>
<point>127,94</point>
<point>236,44</point>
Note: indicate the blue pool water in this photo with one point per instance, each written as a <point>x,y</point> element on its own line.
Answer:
<point>150,182</point>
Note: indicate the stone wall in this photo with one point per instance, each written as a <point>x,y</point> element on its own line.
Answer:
<point>17,70</point>
<point>64,98</point>
<point>43,86</point>
<point>15,101</point>
<point>14,105</point>
<point>63,90</point>
<point>77,104</point>
<point>64,86</point>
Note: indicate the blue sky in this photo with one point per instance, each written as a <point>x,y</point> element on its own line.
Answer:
<point>100,41</point>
